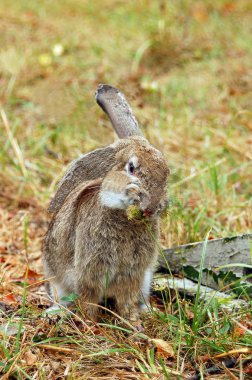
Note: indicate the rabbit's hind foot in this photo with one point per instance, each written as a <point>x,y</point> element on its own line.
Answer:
<point>87,310</point>
<point>55,310</point>
<point>57,292</point>
<point>132,314</point>
<point>89,300</point>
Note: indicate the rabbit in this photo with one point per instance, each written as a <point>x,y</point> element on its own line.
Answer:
<point>92,248</point>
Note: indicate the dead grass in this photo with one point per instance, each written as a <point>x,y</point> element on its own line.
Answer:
<point>186,69</point>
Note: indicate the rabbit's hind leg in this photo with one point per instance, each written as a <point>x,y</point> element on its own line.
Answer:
<point>126,296</point>
<point>90,297</point>
<point>144,301</point>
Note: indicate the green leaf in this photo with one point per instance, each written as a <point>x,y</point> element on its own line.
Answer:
<point>70,298</point>
<point>224,329</point>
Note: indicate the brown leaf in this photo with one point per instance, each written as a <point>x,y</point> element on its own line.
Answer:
<point>3,250</point>
<point>239,331</point>
<point>32,277</point>
<point>30,358</point>
<point>163,348</point>
<point>8,299</point>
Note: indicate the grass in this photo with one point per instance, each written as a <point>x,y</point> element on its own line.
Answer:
<point>185,67</point>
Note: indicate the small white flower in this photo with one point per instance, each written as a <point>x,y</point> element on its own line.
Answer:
<point>57,50</point>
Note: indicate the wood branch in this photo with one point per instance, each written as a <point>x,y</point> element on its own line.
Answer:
<point>219,252</point>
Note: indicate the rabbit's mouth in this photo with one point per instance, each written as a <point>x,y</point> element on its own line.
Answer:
<point>147,213</point>
<point>145,206</point>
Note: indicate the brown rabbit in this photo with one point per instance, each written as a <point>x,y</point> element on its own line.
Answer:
<point>92,248</point>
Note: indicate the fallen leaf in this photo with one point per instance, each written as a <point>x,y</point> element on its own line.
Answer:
<point>9,329</point>
<point>163,348</point>
<point>8,299</point>
<point>30,358</point>
<point>239,331</point>
<point>3,250</point>
<point>32,277</point>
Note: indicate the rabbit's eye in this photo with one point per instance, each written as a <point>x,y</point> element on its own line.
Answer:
<point>131,168</point>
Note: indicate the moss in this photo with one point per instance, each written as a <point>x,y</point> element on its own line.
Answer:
<point>134,212</point>
<point>229,239</point>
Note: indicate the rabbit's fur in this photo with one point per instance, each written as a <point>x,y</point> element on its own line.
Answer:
<point>91,247</point>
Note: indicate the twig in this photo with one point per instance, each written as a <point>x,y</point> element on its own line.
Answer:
<point>237,351</point>
<point>57,348</point>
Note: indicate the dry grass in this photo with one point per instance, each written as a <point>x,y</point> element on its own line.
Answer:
<point>186,68</point>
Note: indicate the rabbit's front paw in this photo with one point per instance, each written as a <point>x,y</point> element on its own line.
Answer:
<point>120,190</point>
<point>132,193</point>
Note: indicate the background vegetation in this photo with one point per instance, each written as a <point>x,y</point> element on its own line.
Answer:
<point>186,69</point>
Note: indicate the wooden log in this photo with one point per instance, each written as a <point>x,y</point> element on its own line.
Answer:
<point>219,252</point>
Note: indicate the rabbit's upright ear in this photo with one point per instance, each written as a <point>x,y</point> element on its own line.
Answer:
<point>89,167</point>
<point>115,105</point>
<point>97,163</point>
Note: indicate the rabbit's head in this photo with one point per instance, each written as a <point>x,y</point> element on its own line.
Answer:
<point>138,158</point>
<point>132,153</point>
<point>141,160</point>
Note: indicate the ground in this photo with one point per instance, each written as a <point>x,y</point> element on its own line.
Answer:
<point>185,67</point>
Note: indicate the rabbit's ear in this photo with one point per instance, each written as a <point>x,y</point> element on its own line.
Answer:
<point>79,194</point>
<point>89,167</point>
<point>114,104</point>
<point>68,213</point>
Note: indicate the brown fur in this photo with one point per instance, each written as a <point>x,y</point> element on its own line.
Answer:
<point>88,244</point>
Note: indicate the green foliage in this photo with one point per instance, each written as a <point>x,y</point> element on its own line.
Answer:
<point>69,298</point>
